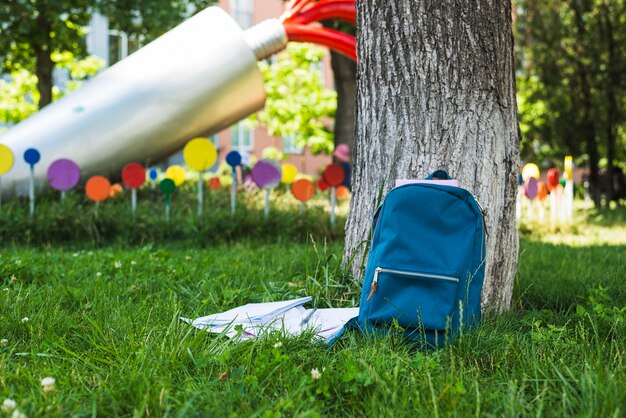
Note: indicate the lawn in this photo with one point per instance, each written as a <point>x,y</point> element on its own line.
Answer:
<point>102,319</point>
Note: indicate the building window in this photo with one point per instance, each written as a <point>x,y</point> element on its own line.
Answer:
<point>121,46</point>
<point>241,138</point>
<point>242,11</point>
<point>289,145</point>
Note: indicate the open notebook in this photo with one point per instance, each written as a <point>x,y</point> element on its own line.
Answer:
<point>290,316</point>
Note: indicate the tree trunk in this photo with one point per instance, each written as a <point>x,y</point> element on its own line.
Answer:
<point>436,90</point>
<point>613,83</point>
<point>43,64</point>
<point>588,127</point>
<point>344,73</point>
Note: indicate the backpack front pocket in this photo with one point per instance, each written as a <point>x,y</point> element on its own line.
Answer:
<point>416,299</point>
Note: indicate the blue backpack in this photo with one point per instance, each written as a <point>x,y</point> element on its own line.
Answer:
<point>426,264</point>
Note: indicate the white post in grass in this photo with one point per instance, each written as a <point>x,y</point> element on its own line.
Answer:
<point>233,192</point>
<point>200,194</point>
<point>31,191</point>
<point>333,198</point>
<point>133,200</point>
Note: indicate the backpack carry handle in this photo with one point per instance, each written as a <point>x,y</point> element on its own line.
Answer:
<point>439,175</point>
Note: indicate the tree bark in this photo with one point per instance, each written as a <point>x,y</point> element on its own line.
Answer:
<point>436,90</point>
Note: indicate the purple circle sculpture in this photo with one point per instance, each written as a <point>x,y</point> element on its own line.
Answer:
<point>266,174</point>
<point>63,174</point>
<point>531,188</point>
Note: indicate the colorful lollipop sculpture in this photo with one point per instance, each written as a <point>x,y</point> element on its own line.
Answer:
<point>167,187</point>
<point>552,181</point>
<point>63,175</point>
<point>303,190</point>
<point>32,157</point>
<point>6,163</point>
<point>333,176</point>
<point>266,174</point>
<point>200,154</point>
<point>133,176</point>
<point>233,159</point>
<point>568,195</point>
<point>98,189</point>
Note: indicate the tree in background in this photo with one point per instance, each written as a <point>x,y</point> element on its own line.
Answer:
<point>572,82</point>
<point>436,90</point>
<point>298,104</point>
<point>19,95</point>
<point>344,77</point>
<point>149,19</point>
<point>33,31</point>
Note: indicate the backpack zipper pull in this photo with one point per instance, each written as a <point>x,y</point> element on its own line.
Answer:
<point>374,283</point>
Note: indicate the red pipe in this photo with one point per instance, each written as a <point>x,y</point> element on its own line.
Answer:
<point>293,8</point>
<point>339,41</point>
<point>343,10</point>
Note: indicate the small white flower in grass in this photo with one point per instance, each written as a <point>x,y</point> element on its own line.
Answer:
<point>18,414</point>
<point>75,255</point>
<point>118,264</point>
<point>4,341</point>
<point>13,278</point>
<point>98,274</point>
<point>48,384</point>
<point>278,344</point>
<point>188,258</point>
<point>315,374</point>
<point>132,263</point>
<point>25,319</point>
<point>8,405</point>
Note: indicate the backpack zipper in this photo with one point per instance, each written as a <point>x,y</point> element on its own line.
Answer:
<point>483,212</point>
<point>406,273</point>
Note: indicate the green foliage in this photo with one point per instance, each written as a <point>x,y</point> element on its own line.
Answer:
<point>33,34</point>
<point>79,70</point>
<point>298,104</point>
<point>570,73</point>
<point>19,96</point>
<point>104,322</point>
<point>148,20</point>
<point>29,27</point>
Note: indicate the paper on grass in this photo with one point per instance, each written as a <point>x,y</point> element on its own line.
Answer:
<point>252,312</point>
<point>251,320</point>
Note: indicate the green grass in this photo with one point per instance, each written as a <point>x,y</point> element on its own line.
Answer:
<point>103,321</point>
